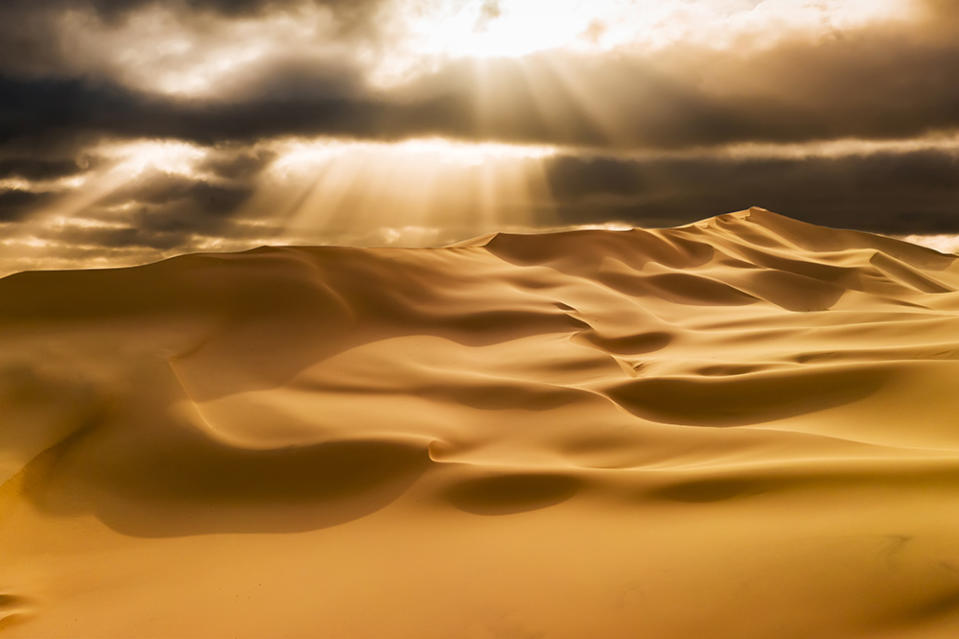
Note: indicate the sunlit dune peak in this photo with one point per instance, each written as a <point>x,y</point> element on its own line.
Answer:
<point>946,243</point>
<point>753,214</point>
<point>606,226</point>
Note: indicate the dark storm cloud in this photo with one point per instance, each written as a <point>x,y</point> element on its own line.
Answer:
<point>16,204</point>
<point>573,178</point>
<point>165,208</point>
<point>129,237</point>
<point>226,7</point>
<point>162,189</point>
<point>239,164</point>
<point>49,108</point>
<point>199,207</point>
<point>889,192</point>
<point>33,168</point>
<point>114,9</point>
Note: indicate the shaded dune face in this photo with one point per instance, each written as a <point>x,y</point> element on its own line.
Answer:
<point>748,398</point>
<point>740,370</point>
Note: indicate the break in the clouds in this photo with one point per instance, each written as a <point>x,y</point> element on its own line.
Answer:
<point>131,129</point>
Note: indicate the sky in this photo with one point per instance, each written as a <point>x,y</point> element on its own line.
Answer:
<point>132,130</point>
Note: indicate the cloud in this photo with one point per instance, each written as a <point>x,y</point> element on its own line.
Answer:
<point>237,164</point>
<point>156,195</point>
<point>34,168</point>
<point>51,109</point>
<point>152,41</point>
<point>117,9</point>
<point>887,192</point>
<point>890,80</point>
<point>15,204</point>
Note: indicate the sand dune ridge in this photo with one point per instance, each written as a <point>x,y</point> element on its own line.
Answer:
<point>748,374</point>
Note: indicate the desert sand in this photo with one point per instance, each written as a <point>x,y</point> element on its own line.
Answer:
<point>743,427</point>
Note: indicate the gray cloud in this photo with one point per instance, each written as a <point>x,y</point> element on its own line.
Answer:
<point>54,108</point>
<point>16,204</point>
<point>237,164</point>
<point>34,168</point>
<point>888,192</point>
<point>33,39</point>
<point>33,11</point>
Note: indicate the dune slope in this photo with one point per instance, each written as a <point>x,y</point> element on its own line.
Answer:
<point>744,427</point>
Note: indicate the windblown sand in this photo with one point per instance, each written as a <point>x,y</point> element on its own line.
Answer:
<point>745,427</point>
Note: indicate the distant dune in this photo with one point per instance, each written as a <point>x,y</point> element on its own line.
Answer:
<point>743,427</point>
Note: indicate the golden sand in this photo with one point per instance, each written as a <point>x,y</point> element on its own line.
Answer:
<point>744,427</point>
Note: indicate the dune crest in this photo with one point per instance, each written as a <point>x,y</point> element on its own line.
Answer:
<point>742,427</point>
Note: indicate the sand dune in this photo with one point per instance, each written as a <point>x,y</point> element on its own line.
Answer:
<point>744,427</point>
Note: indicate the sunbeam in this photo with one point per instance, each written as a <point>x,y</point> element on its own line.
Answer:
<point>335,188</point>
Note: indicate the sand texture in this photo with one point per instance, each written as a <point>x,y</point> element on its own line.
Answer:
<point>744,427</point>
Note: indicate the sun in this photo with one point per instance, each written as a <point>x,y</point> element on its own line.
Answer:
<point>510,28</point>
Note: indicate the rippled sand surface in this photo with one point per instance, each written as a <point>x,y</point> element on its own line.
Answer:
<point>745,427</point>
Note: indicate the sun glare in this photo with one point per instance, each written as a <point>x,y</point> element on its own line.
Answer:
<point>479,29</point>
<point>299,155</point>
<point>516,28</point>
